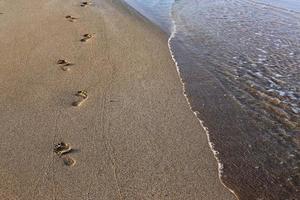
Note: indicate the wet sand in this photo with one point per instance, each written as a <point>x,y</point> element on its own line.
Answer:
<point>130,135</point>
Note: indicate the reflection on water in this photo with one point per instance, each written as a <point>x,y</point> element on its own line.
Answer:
<point>157,11</point>
<point>292,5</point>
<point>240,62</point>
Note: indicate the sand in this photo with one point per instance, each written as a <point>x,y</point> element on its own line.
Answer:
<point>134,137</point>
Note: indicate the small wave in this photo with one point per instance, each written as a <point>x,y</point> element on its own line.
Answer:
<point>247,53</point>
<point>196,113</point>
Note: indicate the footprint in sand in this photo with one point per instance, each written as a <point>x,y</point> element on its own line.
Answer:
<point>64,64</point>
<point>62,148</point>
<point>69,161</point>
<point>85,3</point>
<point>86,37</point>
<point>82,94</point>
<point>70,18</point>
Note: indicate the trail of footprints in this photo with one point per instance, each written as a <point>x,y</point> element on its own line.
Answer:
<point>63,149</point>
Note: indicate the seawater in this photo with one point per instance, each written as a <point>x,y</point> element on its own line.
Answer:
<point>158,11</point>
<point>239,61</point>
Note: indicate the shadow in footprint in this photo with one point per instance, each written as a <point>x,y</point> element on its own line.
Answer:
<point>61,149</point>
<point>85,3</point>
<point>86,37</point>
<point>82,95</point>
<point>75,151</point>
<point>64,65</point>
<point>69,161</point>
<point>70,18</point>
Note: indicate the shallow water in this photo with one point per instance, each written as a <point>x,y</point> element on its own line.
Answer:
<point>239,61</point>
<point>158,11</point>
<point>292,5</point>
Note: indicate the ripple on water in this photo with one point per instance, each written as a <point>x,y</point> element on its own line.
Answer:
<point>252,52</point>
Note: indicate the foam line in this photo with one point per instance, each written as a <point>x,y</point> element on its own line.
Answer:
<point>210,143</point>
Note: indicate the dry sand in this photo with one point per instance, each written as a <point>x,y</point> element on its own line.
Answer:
<point>133,138</point>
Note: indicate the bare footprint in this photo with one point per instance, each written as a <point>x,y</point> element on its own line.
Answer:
<point>87,36</point>
<point>82,94</point>
<point>70,18</point>
<point>69,161</point>
<point>62,148</point>
<point>64,64</point>
<point>79,102</point>
<point>85,3</point>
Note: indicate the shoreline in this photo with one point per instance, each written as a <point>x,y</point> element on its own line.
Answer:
<point>184,89</point>
<point>171,35</point>
<point>135,137</point>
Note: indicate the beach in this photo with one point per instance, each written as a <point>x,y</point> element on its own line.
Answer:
<point>132,133</point>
